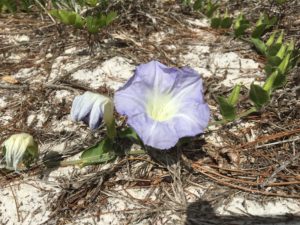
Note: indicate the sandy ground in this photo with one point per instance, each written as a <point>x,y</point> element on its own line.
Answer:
<point>29,199</point>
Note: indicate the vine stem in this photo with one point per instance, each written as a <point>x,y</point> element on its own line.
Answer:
<point>80,162</point>
<point>223,121</point>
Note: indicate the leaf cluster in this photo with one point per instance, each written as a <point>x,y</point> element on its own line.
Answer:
<point>280,57</point>
<point>92,23</point>
<point>108,149</point>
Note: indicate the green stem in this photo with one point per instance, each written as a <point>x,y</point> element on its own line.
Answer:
<point>82,162</point>
<point>136,152</point>
<point>223,121</point>
<point>71,162</point>
<point>246,113</point>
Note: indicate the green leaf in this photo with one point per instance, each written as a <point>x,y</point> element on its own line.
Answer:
<point>270,21</point>
<point>269,69</point>
<point>54,13</point>
<point>259,45</point>
<point>272,63</point>
<point>268,85</point>
<point>227,110</point>
<point>284,65</point>
<point>234,96</point>
<point>271,39</point>
<point>215,22</point>
<point>210,8</point>
<point>274,60</point>
<point>291,46</point>
<point>258,95</point>
<point>259,27</point>
<point>263,23</point>
<point>226,22</point>
<point>273,49</point>
<point>79,22</point>
<point>186,2</point>
<point>198,5</point>
<point>280,2</point>
<point>274,81</point>
<point>240,25</point>
<point>92,24</point>
<point>100,153</point>
<point>279,81</point>
<point>258,31</point>
<point>92,3</point>
<point>110,17</point>
<point>241,30</point>
<point>67,17</point>
<point>280,38</point>
<point>280,54</point>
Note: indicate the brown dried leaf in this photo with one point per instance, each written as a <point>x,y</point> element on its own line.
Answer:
<point>9,79</point>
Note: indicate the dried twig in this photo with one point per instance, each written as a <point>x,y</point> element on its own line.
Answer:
<point>16,203</point>
<point>279,169</point>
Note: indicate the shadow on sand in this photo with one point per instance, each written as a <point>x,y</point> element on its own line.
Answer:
<point>202,213</point>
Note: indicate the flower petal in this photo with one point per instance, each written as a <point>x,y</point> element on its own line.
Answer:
<point>156,75</point>
<point>96,114</point>
<point>160,135</point>
<point>188,85</point>
<point>131,100</point>
<point>89,108</point>
<point>82,105</point>
<point>192,119</point>
<point>16,146</point>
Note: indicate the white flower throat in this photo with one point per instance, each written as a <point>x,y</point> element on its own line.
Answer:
<point>160,106</point>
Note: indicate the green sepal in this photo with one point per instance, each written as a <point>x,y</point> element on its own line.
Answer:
<point>130,134</point>
<point>31,154</point>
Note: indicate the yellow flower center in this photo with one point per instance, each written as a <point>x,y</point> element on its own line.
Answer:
<point>161,107</point>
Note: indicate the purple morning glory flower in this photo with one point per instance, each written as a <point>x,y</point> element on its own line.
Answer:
<point>163,104</point>
<point>91,108</point>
